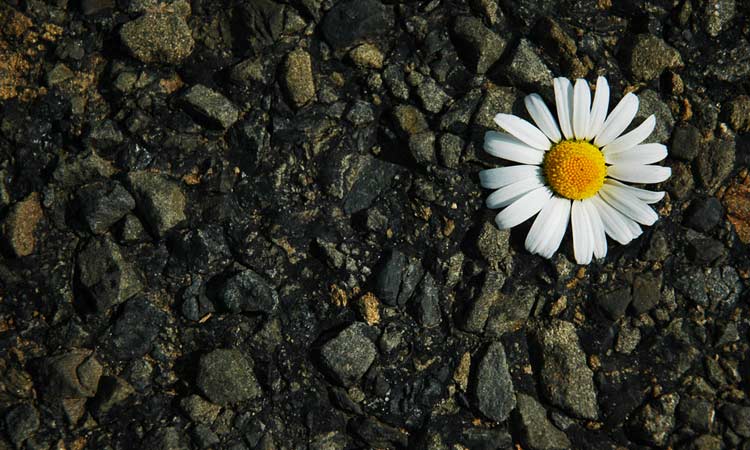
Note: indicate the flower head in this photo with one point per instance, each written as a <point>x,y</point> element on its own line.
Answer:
<point>569,172</point>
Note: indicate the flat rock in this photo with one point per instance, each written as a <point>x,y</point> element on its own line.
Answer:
<point>493,389</point>
<point>105,274</point>
<point>248,292</point>
<point>526,68</point>
<point>537,432</point>
<point>479,46</point>
<point>210,106</point>
<point>158,38</point>
<point>159,198</point>
<point>226,376</point>
<point>654,422</point>
<point>650,56</point>
<point>74,374</point>
<point>566,380</point>
<point>135,329</point>
<point>348,356</point>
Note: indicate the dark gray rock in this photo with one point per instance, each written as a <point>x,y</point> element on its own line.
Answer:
<point>650,56</point>
<point>697,413</point>
<point>203,250</point>
<point>89,7</point>
<point>422,147</point>
<point>210,106</point>
<point>681,183</point>
<point>704,214</point>
<point>370,177</point>
<point>349,355</point>
<point>103,135</point>
<point>167,438</point>
<point>646,292</point>
<point>493,389</point>
<point>427,302</point>
<point>628,338</point>
<point>21,422</point>
<point>686,142</point>
<point>248,292</point>
<point>226,376</point>
<point>458,118</point>
<point>195,302</point>
<point>71,375</point>
<point>614,303</point>
<point>105,275</point>
<point>388,279</point>
<point>449,150</point>
<point>715,163</point>
<point>204,437</point>
<point>200,410</point>
<point>510,311</point>
<point>394,79</point>
<point>135,329</point>
<point>104,203</point>
<point>479,46</point>
<point>738,418</point>
<point>475,317</point>
<point>482,438</point>
<point>566,380</point>
<point>494,244</point>
<point>537,432</point>
<point>378,434</point>
<point>353,21</point>
<point>361,113</point>
<point>158,38</point>
<point>159,199</point>
<point>717,15</point>
<point>526,69</point>
<point>705,251</point>
<point>411,277</point>
<point>651,103</point>
<point>432,96</point>
<point>111,398</point>
<point>655,421</point>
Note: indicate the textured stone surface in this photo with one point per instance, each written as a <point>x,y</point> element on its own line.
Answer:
<point>226,376</point>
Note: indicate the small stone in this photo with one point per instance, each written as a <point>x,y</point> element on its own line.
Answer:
<point>369,308</point>
<point>298,77</point>
<point>226,376</point>
<point>422,147</point>
<point>681,183</point>
<point>432,96</point>
<point>716,163</point>
<point>349,355</point>
<point>427,302</point>
<point>20,225</point>
<point>717,15</point>
<point>738,418</point>
<point>21,422</point>
<point>686,143</point>
<point>113,392</point>
<point>537,432</point>
<point>651,103</point>
<point>646,292</point>
<point>654,422</point>
<point>59,75</point>
<point>698,413</point>
<point>704,214</point>
<point>248,292</point>
<point>566,380</point>
<point>361,113</point>
<point>449,150</point>
<point>736,199</point>
<point>136,328</point>
<point>353,21</point>
<point>367,56</point>
<point>378,434</point>
<point>210,106</point>
<point>615,303</point>
<point>650,56</point>
<point>104,135</point>
<point>105,275</point>
<point>479,46</point>
<point>104,203</point>
<point>494,387</point>
<point>459,117</point>
<point>388,279</point>
<point>160,199</point>
<point>738,113</point>
<point>71,375</point>
<point>493,244</point>
<point>158,38</point>
<point>628,339</point>
<point>409,119</point>
<point>200,410</point>
<point>394,78</point>
<point>167,438</point>
<point>706,442</point>
<point>510,312</point>
<point>478,312</point>
<point>366,178</point>
<point>204,437</point>
<point>526,68</point>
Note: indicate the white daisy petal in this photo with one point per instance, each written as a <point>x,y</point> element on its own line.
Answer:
<point>564,103</point>
<point>613,221</point>
<point>503,176</point>
<point>640,154</point>
<point>647,196</point>
<point>597,229</point>
<point>523,208</point>
<point>581,108</point>
<point>523,131</point>
<point>542,116</point>
<point>633,138</point>
<point>583,238</point>
<point>618,120</point>
<point>598,108</point>
<point>503,145</point>
<point>540,227</point>
<point>555,230</point>
<point>508,194</point>
<point>639,173</point>
<point>627,203</point>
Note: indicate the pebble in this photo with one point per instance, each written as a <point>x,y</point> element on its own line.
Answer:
<point>479,46</point>
<point>158,38</point>
<point>136,328</point>
<point>650,56</point>
<point>350,22</point>
<point>105,274</point>
<point>104,203</point>
<point>226,376</point>
<point>655,421</point>
<point>298,78</point>
<point>159,199</point>
<point>494,387</point>
<point>210,106</point>
<point>526,69</point>
<point>349,355</point>
<point>248,292</point>
<point>537,432</point>
<point>21,223</point>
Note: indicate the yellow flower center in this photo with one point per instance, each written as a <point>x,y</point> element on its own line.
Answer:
<point>574,169</point>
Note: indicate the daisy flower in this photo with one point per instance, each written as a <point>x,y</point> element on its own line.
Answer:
<point>574,172</point>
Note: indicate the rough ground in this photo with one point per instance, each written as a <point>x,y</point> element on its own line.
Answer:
<point>257,224</point>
